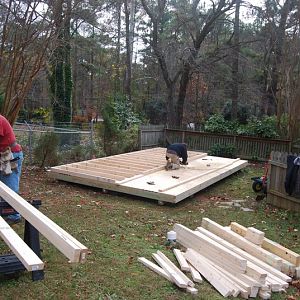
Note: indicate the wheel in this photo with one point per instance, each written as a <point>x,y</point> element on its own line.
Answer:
<point>257,186</point>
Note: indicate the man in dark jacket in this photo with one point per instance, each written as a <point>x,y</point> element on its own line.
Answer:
<point>174,153</point>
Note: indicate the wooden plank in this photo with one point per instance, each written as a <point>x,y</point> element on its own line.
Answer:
<point>96,173</point>
<point>184,266</point>
<point>82,175</point>
<point>176,278</point>
<point>22,251</point>
<point>99,167</point>
<point>254,236</point>
<point>233,277</point>
<point>271,246</point>
<point>219,283</point>
<point>242,243</point>
<point>198,176</point>
<point>71,248</point>
<point>208,247</point>
<point>195,274</point>
<point>261,266</point>
<point>192,290</point>
<point>177,270</point>
<point>264,295</point>
<point>155,268</point>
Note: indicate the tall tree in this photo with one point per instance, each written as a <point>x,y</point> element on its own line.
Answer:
<point>235,62</point>
<point>129,33</point>
<point>197,25</point>
<point>276,30</point>
<point>26,32</point>
<point>60,72</point>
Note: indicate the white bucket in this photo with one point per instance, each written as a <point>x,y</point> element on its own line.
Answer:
<point>171,236</point>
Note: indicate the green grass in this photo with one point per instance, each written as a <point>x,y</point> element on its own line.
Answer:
<point>119,228</point>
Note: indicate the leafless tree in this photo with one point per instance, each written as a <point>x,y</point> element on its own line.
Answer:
<point>26,33</point>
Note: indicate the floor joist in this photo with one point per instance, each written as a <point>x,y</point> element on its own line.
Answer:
<point>142,173</point>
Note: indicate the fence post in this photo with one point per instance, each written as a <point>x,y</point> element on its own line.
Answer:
<point>30,132</point>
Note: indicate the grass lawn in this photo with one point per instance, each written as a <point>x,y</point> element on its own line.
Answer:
<point>119,228</point>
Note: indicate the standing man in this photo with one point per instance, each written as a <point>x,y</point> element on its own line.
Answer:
<point>174,153</point>
<point>11,157</point>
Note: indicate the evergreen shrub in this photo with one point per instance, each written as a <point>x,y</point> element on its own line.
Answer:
<point>221,150</point>
<point>46,151</point>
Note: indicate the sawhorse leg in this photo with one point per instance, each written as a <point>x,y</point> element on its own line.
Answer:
<point>32,239</point>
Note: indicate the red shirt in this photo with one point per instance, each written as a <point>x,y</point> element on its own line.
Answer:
<point>7,136</point>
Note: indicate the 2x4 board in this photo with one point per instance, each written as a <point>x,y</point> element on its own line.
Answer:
<point>142,173</point>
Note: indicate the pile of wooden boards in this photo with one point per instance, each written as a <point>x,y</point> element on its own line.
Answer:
<point>171,272</point>
<point>62,240</point>
<point>236,260</point>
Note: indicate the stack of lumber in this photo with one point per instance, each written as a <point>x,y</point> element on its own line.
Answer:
<point>238,265</point>
<point>236,260</point>
<point>167,269</point>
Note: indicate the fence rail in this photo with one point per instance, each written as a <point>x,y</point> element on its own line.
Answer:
<point>247,147</point>
<point>277,195</point>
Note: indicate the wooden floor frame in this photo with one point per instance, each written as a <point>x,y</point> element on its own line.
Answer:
<point>142,173</point>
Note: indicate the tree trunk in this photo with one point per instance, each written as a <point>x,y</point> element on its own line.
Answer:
<point>118,49</point>
<point>67,66</point>
<point>171,115</point>
<point>235,63</point>
<point>129,25</point>
<point>184,80</point>
<point>61,77</point>
<point>269,98</point>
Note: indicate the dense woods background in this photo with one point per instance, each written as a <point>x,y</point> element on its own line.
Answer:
<point>174,62</point>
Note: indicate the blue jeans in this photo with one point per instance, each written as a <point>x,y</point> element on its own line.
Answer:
<point>13,180</point>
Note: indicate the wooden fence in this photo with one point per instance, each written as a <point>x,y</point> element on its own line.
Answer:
<point>151,136</point>
<point>247,147</point>
<point>277,195</point>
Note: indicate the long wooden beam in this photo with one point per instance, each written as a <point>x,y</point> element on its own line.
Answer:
<point>219,282</point>
<point>69,246</point>
<point>270,245</point>
<point>252,261</point>
<point>22,251</point>
<point>208,247</point>
<point>242,243</point>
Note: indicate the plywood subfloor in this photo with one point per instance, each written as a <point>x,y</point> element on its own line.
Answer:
<point>142,173</point>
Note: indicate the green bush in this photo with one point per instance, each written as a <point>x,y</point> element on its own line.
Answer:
<point>120,126</point>
<point>266,127</point>
<point>229,151</point>
<point>217,124</point>
<point>46,151</point>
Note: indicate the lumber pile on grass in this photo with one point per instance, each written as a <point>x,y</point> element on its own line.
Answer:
<point>236,260</point>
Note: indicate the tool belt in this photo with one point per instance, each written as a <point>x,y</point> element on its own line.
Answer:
<point>7,162</point>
